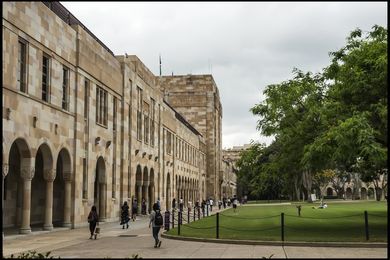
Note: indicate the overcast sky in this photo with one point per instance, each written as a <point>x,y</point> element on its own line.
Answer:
<point>246,46</point>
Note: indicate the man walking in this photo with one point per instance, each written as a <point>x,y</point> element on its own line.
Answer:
<point>156,220</point>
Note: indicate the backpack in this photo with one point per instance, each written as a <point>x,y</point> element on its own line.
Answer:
<point>158,219</point>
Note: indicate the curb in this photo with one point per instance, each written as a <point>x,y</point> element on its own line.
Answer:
<point>279,243</point>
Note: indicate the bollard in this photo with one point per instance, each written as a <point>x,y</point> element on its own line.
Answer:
<point>179,223</point>
<point>166,220</point>
<point>198,213</point>
<point>207,207</point>
<point>188,215</point>
<point>217,225</point>
<point>282,224</point>
<point>366,224</point>
<point>194,213</point>
<point>173,218</point>
<point>179,217</point>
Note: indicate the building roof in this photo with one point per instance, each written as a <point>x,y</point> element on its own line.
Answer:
<point>70,19</point>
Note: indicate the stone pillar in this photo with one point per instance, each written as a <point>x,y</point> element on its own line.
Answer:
<point>27,173</point>
<point>5,172</point>
<point>49,176</point>
<point>146,188</point>
<point>139,187</point>
<point>103,202</point>
<point>67,206</point>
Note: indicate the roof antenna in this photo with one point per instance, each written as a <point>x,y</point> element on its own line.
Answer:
<point>160,63</point>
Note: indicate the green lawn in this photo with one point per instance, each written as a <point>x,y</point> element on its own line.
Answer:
<point>338,222</point>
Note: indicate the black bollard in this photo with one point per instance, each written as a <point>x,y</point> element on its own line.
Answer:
<point>282,225</point>
<point>217,225</point>
<point>173,218</point>
<point>366,224</point>
<point>188,215</point>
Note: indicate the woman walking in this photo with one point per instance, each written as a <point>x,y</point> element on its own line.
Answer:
<point>93,220</point>
<point>125,215</point>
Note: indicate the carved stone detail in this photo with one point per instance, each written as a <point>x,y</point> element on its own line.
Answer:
<point>49,175</point>
<point>5,169</point>
<point>27,172</point>
<point>67,175</point>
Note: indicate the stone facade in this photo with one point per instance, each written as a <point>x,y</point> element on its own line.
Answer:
<point>84,127</point>
<point>233,154</point>
<point>196,97</point>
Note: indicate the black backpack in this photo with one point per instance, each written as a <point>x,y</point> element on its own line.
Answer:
<point>158,219</point>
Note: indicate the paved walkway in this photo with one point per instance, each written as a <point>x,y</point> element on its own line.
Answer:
<point>115,242</point>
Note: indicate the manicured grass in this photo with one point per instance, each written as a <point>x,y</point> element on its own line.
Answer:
<point>341,221</point>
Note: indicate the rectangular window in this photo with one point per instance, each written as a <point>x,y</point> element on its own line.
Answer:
<point>153,107</point>
<point>139,113</point>
<point>115,117</point>
<point>85,181</point>
<point>169,142</point>
<point>65,88</point>
<point>101,106</point>
<point>45,77</point>
<point>113,180</point>
<point>86,99</point>
<point>146,128</point>
<point>21,74</point>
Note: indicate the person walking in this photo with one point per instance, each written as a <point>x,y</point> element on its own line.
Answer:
<point>235,204</point>
<point>174,203</point>
<point>158,203</point>
<point>93,220</point>
<point>211,204</point>
<point>181,204</point>
<point>156,221</point>
<point>125,215</point>
<point>143,207</point>
<point>134,209</point>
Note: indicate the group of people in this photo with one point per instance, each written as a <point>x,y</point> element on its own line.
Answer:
<point>155,217</point>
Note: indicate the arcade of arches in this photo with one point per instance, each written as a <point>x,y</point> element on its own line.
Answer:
<point>37,189</point>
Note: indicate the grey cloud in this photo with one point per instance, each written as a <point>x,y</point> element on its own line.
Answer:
<point>250,45</point>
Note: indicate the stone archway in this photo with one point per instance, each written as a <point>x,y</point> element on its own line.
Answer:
<point>62,190</point>
<point>152,199</point>
<point>363,193</point>
<point>138,188</point>
<point>329,191</point>
<point>168,192</point>
<point>371,193</point>
<point>42,188</point>
<point>145,187</point>
<point>99,191</point>
<point>348,193</point>
<point>17,187</point>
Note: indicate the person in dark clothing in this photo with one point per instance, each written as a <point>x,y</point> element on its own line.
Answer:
<point>134,209</point>
<point>125,215</point>
<point>93,220</point>
<point>181,204</point>
<point>174,203</point>
<point>143,207</point>
<point>156,226</point>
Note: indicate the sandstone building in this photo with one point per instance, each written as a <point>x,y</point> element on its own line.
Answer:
<point>83,127</point>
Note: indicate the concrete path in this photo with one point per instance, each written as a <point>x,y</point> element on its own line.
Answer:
<point>115,242</point>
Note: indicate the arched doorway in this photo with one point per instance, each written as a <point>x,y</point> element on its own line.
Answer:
<point>145,194</point>
<point>138,187</point>
<point>371,193</point>
<point>19,157</point>
<point>348,193</point>
<point>329,191</point>
<point>61,190</point>
<point>168,192</point>
<point>152,199</point>
<point>99,190</point>
<point>40,193</point>
<point>363,193</point>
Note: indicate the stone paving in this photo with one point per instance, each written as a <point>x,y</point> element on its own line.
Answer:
<point>115,242</point>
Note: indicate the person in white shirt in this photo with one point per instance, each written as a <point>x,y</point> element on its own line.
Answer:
<point>211,204</point>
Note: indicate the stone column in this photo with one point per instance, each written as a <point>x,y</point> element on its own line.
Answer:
<point>49,176</point>
<point>27,173</point>
<point>67,206</point>
<point>146,188</point>
<point>5,172</point>
<point>139,187</point>
<point>103,202</point>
